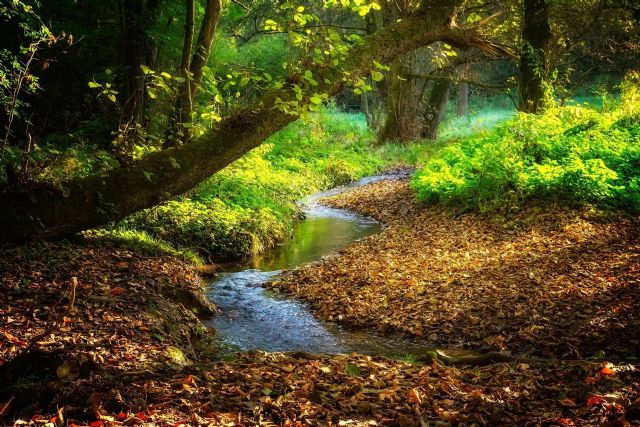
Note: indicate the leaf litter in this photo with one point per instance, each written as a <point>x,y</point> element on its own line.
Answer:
<point>552,282</point>
<point>123,347</point>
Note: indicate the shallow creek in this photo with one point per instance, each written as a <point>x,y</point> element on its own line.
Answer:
<point>252,316</point>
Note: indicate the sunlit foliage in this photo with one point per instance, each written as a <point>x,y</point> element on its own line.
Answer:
<point>571,153</point>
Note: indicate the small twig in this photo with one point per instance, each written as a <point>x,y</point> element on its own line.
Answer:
<point>72,296</point>
<point>245,7</point>
<point>4,408</point>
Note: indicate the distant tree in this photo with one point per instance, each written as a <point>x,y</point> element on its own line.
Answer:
<point>536,36</point>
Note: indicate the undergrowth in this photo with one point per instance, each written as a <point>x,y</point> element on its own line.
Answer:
<point>570,154</point>
<point>251,205</point>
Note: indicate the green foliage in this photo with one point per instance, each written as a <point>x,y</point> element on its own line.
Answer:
<point>572,154</point>
<point>15,61</point>
<point>250,205</point>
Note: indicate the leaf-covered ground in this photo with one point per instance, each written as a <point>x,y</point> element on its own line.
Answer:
<point>553,282</point>
<point>120,345</point>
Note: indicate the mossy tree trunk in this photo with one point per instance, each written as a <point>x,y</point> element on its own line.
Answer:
<point>434,113</point>
<point>403,121</point>
<point>84,203</point>
<point>536,36</point>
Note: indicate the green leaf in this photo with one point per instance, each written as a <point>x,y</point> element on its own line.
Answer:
<point>379,66</point>
<point>377,76</point>
<point>174,163</point>
<point>308,75</point>
<point>352,370</point>
<point>94,85</point>
<point>147,175</point>
<point>146,69</point>
<point>316,100</point>
<point>267,391</point>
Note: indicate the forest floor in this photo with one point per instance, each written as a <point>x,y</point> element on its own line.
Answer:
<point>97,336</point>
<point>551,282</point>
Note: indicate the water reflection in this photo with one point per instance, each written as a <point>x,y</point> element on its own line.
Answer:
<point>252,316</point>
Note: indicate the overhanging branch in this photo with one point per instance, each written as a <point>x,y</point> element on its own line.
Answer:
<point>80,204</point>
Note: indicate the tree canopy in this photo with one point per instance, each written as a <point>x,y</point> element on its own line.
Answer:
<point>179,90</point>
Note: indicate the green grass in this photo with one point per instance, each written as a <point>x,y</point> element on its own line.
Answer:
<point>251,205</point>
<point>484,114</point>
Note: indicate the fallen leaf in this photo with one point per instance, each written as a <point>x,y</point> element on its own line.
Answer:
<point>352,370</point>
<point>413,396</point>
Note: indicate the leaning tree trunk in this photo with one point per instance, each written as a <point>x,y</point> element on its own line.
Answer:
<point>436,107</point>
<point>536,36</point>
<point>84,203</point>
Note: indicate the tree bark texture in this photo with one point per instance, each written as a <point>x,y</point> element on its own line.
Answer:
<point>436,107</point>
<point>403,121</point>
<point>536,36</point>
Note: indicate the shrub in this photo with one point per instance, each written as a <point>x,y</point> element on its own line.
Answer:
<point>572,154</point>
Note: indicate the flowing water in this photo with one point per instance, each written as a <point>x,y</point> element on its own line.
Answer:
<point>252,316</point>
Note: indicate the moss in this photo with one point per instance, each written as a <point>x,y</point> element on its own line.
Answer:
<point>176,356</point>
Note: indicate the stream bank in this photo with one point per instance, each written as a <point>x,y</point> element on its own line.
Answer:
<point>251,316</point>
<point>552,282</point>
<point>115,349</point>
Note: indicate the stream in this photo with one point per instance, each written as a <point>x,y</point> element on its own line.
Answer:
<point>252,316</point>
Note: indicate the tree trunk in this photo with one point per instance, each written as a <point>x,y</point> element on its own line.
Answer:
<point>403,99</point>
<point>536,36</point>
<point>436,108</point>
<point>463,99</point>
<point>187,91</point>
<point>372,103</point>
<point>133,96</point>
<point>183,106</point>
<point>205,38</point>
<point>84,203</point>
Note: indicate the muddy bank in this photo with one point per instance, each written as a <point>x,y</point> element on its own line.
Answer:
<point>556,282</point>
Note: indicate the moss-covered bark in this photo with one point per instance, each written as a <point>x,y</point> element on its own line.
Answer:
<point>536,36</point>
<point>90,202</point>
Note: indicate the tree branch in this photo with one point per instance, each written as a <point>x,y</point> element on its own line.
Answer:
<point>80,204</point>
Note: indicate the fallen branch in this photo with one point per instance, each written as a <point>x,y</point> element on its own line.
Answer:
<point>480,359</point>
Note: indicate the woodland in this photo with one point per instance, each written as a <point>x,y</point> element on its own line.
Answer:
<point>319,212</point>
